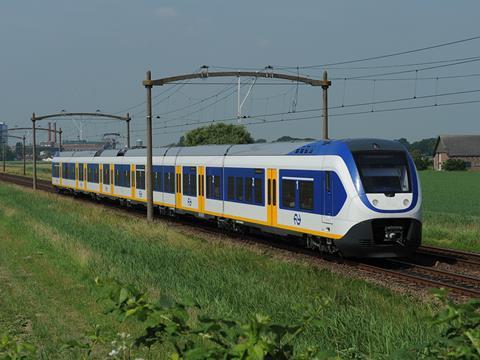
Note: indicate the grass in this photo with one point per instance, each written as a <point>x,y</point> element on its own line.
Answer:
<point>451,204</point>
<point>44,169</point>
<point>52,247</point>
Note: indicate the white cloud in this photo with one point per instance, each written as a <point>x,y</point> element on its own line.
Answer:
<point>166,12</point>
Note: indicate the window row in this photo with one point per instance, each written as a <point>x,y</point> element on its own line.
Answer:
<point>297,192</point>
<point>245,189</point>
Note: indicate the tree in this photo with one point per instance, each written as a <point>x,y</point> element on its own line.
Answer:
<point>421,163</point>
<point>19,150</point>
<point>287,138</point>
<point>218,134</point>
<point>454,165</point>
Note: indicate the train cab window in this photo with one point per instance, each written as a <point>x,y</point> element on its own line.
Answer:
<point>258,190</point>
<point>81,176</point>
<point>239,189</point>
<point>248,189</point>
<point>140,177</point>
<point>383,171</point>
<point>106,174</point>
<point>157,181</point>
<point>288,193</point>
<point>305,189</point>
<point>169,182</point>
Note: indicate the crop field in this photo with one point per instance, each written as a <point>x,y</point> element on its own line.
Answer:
<point>451,203</point>
<point>53,247</point>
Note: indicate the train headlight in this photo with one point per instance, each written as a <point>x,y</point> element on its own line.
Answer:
<point>406,202</point>
<point>375,202</point>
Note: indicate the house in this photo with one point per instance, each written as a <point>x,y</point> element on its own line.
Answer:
<point>462,147</point>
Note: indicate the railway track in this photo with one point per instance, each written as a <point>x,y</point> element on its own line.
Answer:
<point>450,256</point>
<point>403,271</point>
<point>414,274</point>
<point>26,181</point>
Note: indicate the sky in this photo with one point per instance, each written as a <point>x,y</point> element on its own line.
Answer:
<point>84,56</point>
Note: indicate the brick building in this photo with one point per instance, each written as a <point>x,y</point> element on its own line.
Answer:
<point>462,147</point>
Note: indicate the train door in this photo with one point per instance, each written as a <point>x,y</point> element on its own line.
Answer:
<point>132,181</point>
<point>76,175</point>
<point>272,196</point>
<point>100,177</point>
<point>85,175</point>
<point>112,182</point>
<point>328,198</point>
<point>201,189</point>
<point>178,187</point>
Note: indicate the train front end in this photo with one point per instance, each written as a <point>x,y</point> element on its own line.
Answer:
<point>386,205</point>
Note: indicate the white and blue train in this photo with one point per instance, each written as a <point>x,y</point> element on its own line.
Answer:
<point>359,197</point>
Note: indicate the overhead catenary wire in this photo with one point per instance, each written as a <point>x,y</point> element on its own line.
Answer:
<point>456,103</point>
<point>260,116</point>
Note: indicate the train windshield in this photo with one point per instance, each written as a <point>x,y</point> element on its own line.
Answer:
<point>383,171</point>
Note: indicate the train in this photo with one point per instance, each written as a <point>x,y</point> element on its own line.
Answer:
<point>356,198</point>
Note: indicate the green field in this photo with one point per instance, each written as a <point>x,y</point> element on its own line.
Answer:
<point>44,169</point>
<point>451,204</point>
<point>53,247</point>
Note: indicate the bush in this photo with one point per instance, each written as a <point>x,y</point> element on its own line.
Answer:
<point>454,165</point>
<point>421,162</point>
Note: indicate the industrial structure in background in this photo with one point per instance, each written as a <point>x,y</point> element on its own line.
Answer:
<point>458,147</point>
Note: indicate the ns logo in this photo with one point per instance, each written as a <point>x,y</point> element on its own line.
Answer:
<point>189,202</point>
<point>297,219</point>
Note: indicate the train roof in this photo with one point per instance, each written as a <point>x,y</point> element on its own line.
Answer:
<point>315,147</point>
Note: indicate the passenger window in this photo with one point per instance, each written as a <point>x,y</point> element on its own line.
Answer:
<point>248,189</point>
<point>106,174</point>
<point>239,189</point>
<point>257,185</point>
<point>209,186</point>
<point>157,181</point>
<point>140,177</point>
<point>169,182</point>
<point>288,193</point>
<point>217,192</point>
<point>80,172</point>
<point>306,195</point>
<point>193,184</point>
<point>231,188</point>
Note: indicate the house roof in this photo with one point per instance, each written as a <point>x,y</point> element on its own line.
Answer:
<point>458,145</point>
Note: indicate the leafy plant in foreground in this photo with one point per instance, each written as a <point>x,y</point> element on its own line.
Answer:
<point>175,325</point>
<point>12,349</point>
<point>460,335</point>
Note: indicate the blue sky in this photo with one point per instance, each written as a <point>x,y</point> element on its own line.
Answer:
<point>88,55</point>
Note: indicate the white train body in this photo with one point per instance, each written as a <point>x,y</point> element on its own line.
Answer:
<point>359,197</point>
